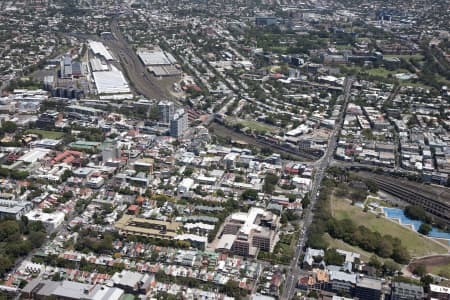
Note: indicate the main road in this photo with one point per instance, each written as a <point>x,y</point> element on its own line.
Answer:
<point>324,162</point>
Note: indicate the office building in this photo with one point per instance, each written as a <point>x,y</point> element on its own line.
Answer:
<point>66,66</point>
<point>166,111</point>
<point>179,123</point>
<point>111,153</point>
<point>76,69</point>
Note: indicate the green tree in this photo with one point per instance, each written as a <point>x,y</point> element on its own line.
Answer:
<point>425,228</point>
<point>332,257</point>
<point>420,270</point>
<point>384,248</point>
<point>305,201</point>
<point>36,238</point>
<point>400,254</point>
<point>416,213</point>
<point>390,268</point>
<point>426,281</point>
<point>374,262</point>
<point>250,194</point>
<point>9,126</point>
<point>269,183</point>
<point>5,264</point>
<point>8,228</point>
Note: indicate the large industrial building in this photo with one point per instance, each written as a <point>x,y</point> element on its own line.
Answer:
<point>111,82</point>
<point>159,62</point>
<point>131,225</point>
<point>100,50</point>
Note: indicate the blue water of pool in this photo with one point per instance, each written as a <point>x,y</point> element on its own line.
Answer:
<point>397,213</point>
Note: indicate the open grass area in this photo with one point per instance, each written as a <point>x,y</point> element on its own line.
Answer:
<point>252,124</point>
<point>378,72</point>
<point>343,47</point>
<point>46,134</point>
<point>406,56</point>
<point>382,72</point>
<point>415,243</point>
<point>441,270</point>
<point>415,84</point>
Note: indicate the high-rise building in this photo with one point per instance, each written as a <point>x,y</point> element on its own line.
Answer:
<point>111,153</point>
<point>179,123</point>
<point>66,66</point>
<point>166,111</point>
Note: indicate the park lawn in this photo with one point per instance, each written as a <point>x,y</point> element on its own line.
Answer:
<point>253,125</point>
<point>406,56</point>
<point>257,126</point>
<point>416,244</point>
<point>343,47</point>
<point>441,270</point>
<point>382,72</point>
<point>415,84</point>
<point>378,72</point>
<point>340,244</point>
<point>46,134</point>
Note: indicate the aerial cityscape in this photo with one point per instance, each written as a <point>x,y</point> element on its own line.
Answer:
<point>225,150</point>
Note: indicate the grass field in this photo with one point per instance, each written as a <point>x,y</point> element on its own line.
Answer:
<point>414,56</point>
<point>416,244</point>
<point>253,125</point>
<point>46,134</point>
<point>442,270</point>
<point>382,72</point>
<point>379,72</point>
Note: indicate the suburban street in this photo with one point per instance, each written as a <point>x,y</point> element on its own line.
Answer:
<point>323,163</point>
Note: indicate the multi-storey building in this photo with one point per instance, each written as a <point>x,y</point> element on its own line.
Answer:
<point>166,111</point>
<point>247,233</point>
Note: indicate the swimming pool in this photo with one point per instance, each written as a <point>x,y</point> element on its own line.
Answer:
<point>397,213</point>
